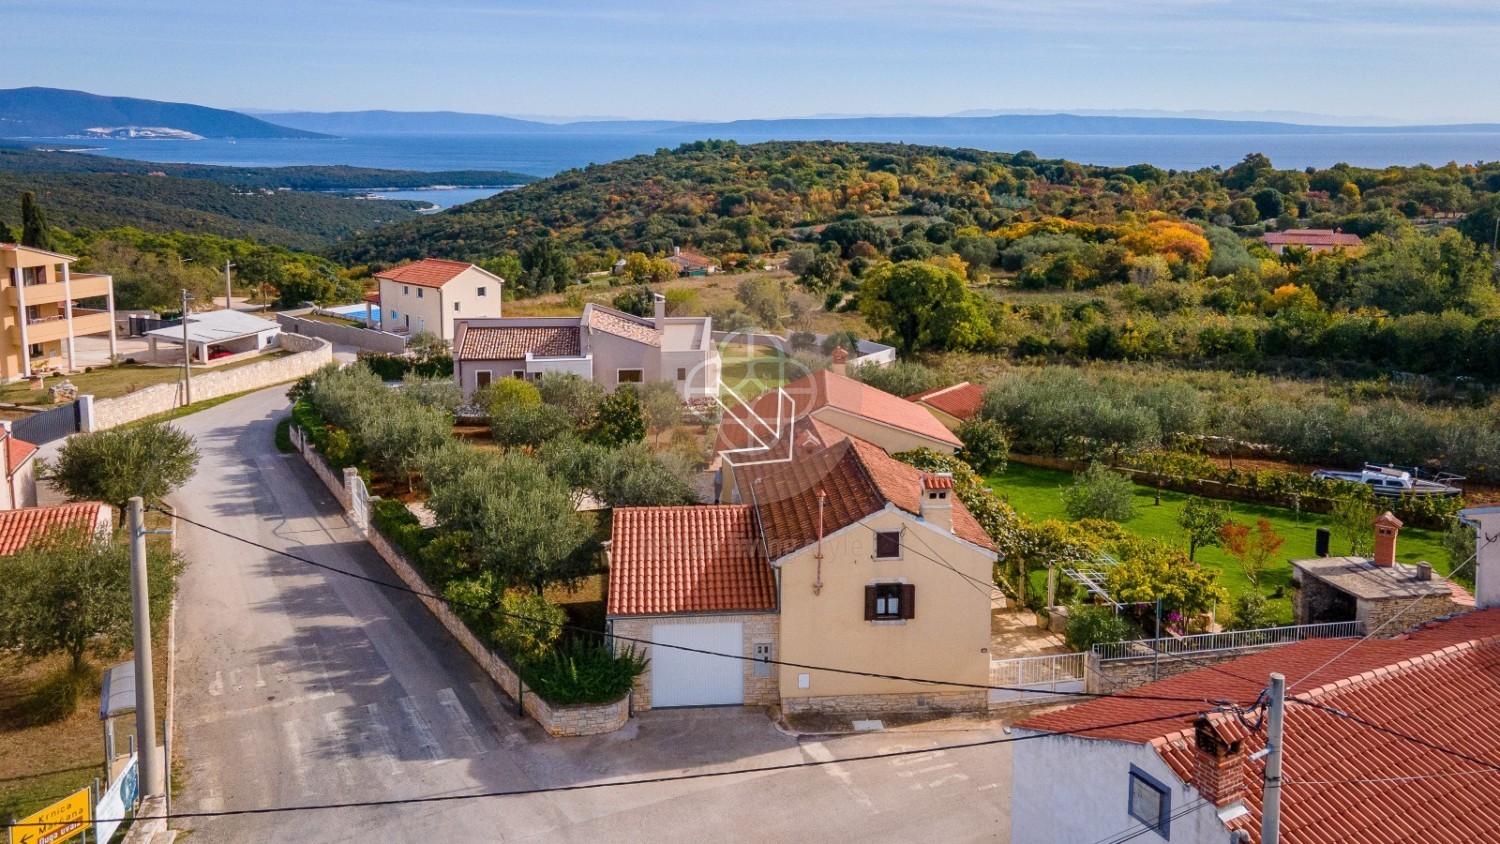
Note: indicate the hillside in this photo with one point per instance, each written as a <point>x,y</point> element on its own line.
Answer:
<point>382,122</point>
<point>54,113</point>
<point>165,204</point>
<point>24,159</point>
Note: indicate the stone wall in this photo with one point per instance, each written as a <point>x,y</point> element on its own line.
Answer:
<point>1118,675</point>
<point>1412,612</point>
<point>758,627</point>
<point>968,701</point>
<point>581,720</point>
<point>292,322</point>
<point>310,354</point>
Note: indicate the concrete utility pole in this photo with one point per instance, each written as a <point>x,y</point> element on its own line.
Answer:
<point>228,287</point>
<point>1270,816</point>
<point>152,780</point>
<point>187,352</point>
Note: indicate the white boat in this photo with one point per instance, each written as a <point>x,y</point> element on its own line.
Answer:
<point>1394,481</point>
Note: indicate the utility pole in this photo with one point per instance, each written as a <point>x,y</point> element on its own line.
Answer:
<point>187,353</point>
<point>1270,816</point>
<point>145,688</point>
<point>228,287</point>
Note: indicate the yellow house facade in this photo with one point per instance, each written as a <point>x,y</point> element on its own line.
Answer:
<point>45,307</point>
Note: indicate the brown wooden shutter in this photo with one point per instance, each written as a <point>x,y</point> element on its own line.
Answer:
<point>869,603</point>
<point>908,600</point>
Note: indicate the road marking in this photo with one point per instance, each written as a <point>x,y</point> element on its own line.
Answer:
<point>216,688</point>
<point>294,749</point>
<point>459,720</point>
<point>913,760</point>
<point>926,770</point>
<point>820,753</point>
<point>419,726</point>
<point>500,721</point>
<point>339,747</point>
<point>259,680</point>
<point>383,738</point>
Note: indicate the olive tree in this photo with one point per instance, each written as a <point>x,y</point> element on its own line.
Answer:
<point>113,466</point>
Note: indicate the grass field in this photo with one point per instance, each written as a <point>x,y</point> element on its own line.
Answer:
<point>107,382</point>
<point>751,370</point>
<point>1037,493</point>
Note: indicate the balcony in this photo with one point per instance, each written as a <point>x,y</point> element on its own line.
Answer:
<point>51,328</point>
<point>83,286</point>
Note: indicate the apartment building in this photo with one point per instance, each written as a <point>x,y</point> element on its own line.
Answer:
<point>45,308</point>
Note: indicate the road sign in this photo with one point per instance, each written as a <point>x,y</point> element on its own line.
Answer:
<point>117,801</point>
<point>59,822</point>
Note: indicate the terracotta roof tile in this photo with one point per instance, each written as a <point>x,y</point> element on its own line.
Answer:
<point>961,401</point>
<point>623,325</point>
<point>17,452</point>
<point>687,559</point>
<point>428,272</point>
<point>19,527</point>
<point>1437,682</point>
<point>1311,237</point>
<point>482,343</point>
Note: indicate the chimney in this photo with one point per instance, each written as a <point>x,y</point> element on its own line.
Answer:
<point>660,302</point>
<point>1218,765</point>
<point>840,360</point>
<point>1486,523</point>
<point>1386,528</point>
<point>936,507</point>
<point>676,250</point>
<point>1424,570</point>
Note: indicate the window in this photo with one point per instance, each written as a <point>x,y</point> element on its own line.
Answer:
<point>482,378</point>
<point>890,601</point>
<point>481,292</point>
<point>405,291</point>
<point>1150,802</point>
<point>518,373</point>
<point>681,373</point>
<point>630,376</point>
<point>419,292</point>
<point>888,545</point>
<point>455,306</point>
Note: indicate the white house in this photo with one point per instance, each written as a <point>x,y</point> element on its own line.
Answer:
<point>431,294</point>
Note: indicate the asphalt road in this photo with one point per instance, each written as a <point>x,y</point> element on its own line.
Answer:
<point>298,687</point>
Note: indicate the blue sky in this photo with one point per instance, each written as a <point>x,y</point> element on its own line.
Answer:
<point>1401,59</point>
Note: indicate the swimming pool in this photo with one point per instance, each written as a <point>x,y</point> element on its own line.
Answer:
<point>356,312</point>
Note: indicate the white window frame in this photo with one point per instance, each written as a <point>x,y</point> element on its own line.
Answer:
<point>1163,823</point>
<point>888,616</point>
<point>405,290</point>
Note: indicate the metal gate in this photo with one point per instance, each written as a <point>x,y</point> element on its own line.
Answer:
<point>49,425</point>
<point>139,325</point>
<point>359,500</point>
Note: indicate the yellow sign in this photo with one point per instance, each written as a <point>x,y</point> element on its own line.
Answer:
<point>58,822</point>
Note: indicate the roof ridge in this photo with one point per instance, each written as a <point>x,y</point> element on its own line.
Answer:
<point>1400,666</point>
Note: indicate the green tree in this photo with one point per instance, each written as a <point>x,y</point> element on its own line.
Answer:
<point>113,466</point>
<point>1354,524</point>
<point>1460,541</point>
<point>1150,570</point>
<point>545,268</point>
<point>1098,493</point>
<point>426,345</point>
<point>579,396</point>
<point>923,307</point>
<point>1253,548</point>
<point>1090,625</point>
<point>620,420</point>
<point>437,393</point>
<point>821,272</point>
<point>661,405</point>
<point>532,425</point>
<point>509,391</point>
<point>985,446</point>
<point>396,436</point>
<point>638,300</point>
<point>1203,520</point>
<point>902,378</point>
<point>764,299</point>
<point>35,231</point>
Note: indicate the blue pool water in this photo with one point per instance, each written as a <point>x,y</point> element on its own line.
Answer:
<point>356,312</point>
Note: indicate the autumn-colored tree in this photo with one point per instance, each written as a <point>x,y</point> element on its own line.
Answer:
<point>1181,241</point>
<point>1251,548</point>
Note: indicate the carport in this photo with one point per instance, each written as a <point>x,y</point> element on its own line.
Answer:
<point>218,334</point>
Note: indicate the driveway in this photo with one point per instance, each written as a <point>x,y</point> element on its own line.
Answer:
<point>298,687</point>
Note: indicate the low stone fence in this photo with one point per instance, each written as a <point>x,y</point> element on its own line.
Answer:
<point>580,720</point>
<point>293,322</point>
<point>311,353</point>
<point>965,701</point>
<point>1104,677</point>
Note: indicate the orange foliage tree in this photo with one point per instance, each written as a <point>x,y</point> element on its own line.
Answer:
<point>1252,548</point>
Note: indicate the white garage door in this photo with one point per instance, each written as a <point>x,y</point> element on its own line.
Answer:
<point>684,678</point>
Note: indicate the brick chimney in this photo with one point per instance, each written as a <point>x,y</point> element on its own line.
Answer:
<point>1386,528</point>
<point>936,506</point>
<point>660,302</point>
<point>840,360</point>
<point>1218,765</point>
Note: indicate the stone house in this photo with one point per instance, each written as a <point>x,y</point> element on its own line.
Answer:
<point>20,527</point>
<point>607,346</point>
<point>844,558</point>
<point>431,294</point>
<point>1373,590</point>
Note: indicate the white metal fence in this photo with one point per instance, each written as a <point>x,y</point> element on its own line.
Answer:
<point>1228,640</point>
<point>359,500</point>
<point>1033,678</point>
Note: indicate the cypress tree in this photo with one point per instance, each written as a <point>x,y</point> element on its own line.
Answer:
<point>34,229</point>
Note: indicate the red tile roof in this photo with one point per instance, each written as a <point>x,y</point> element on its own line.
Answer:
<point>482,343</point>
<point>687,559</point>
<point>1437,683</point>
<point>623,325</point>
<point>961,401</point>
<point>19,527</point>
<point>825,388</point>
<point>857,478</point>
<point>17,452</point>
<point>428,272</point>
<point>1311,237</point>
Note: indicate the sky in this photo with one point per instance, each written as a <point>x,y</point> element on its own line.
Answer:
<point>1400,60</point>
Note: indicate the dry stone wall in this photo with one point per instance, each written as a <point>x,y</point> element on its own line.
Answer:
<point>292,322</point>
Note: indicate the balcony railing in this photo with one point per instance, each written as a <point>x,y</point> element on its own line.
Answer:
<point>1228,640</point>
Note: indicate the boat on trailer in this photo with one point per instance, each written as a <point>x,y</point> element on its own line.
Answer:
<point>1396,481</point>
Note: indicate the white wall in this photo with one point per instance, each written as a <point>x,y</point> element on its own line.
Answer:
<point>1068,789</point>
<point>1487,563</point>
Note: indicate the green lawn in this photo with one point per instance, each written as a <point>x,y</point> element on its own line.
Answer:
<point>751,370</point>
<point>1037,493</point>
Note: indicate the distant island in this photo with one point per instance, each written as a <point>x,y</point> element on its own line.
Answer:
<point>58,113</point>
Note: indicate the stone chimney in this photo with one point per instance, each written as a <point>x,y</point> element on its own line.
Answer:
<point>936,505</point>
<point>840,360</point>
<point>1486,523</point>
<point>676,250</point>
<point>660,302</point>
<point>1386,528</point>
<point>1218,765</point>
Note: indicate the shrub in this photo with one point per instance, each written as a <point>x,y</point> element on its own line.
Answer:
<point>1090,625</point>
<point>57,696</point>
<point>284,436</point>
<point>899,379</point>
<point>985,446</point>
<point>1249,611</point>
<point>514,425</point>
<point>392,518</point>
<point>620,419</point>
<point>581,670</point>
<point>339,449</point>
<point>508,391</point>
<point>437,393</point>
<point>1098,493</point>
<point>527,626</point>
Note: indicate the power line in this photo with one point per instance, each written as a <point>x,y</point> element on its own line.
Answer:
<point>1132,833</point>
<point>401,587</point>
<point>1421,742</point>
<point>558,789</point>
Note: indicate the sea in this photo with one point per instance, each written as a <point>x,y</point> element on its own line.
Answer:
<point>545,154</point>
